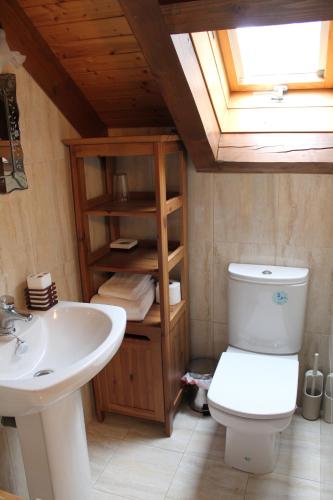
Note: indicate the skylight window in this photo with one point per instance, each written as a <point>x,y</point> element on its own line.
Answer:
<point>282,54</point>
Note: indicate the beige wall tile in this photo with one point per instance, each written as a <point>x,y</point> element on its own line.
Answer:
<point>94,176</point>
<point>200,205</point>
<point>220,339</point>
<point>139,170</point>
<point>245,208</point>
<point>201,279</point>
<point>201,339</point>
<point>315,343</point>
<point>41,123</point>
<point>305,208</point>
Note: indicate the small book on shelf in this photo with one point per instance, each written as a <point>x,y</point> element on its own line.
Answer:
<point>123,243</point>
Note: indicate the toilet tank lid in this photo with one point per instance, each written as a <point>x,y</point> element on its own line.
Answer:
<point>268,274</point>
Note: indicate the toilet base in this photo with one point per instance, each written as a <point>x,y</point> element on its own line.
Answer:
<point>256,453</point>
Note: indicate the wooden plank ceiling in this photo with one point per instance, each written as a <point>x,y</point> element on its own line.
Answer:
<point>94,43</point>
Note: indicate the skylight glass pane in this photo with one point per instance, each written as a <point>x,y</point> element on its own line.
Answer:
<point>279,50</point>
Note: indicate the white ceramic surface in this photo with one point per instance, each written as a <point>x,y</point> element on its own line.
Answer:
<point>75,340</point>
<point>267,317</point>
<point>257,388</point>
<point>254,388</point>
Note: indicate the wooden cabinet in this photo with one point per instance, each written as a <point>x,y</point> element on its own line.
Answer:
<point>143,379</point>
<point>132,383</point>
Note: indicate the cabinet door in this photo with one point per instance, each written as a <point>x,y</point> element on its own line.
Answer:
<point>132,382</point>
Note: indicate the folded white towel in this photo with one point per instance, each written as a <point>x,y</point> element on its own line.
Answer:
<point>126,286</point>
<point>136,309</point>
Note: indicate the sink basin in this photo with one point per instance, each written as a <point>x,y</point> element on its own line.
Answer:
<point>73,341</point>
<point>40,379</point>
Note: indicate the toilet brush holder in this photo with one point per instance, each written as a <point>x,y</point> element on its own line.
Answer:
<point>312,396</point>
<point>328,399</point>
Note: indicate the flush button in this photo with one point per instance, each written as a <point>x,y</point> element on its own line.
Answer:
<point>267,272</point>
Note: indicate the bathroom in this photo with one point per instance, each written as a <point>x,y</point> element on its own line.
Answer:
<point>267,218</point>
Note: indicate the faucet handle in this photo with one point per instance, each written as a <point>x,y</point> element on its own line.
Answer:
<point>6,302</point>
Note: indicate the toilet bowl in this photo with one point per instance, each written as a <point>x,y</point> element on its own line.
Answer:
<point>254,388</point>
<point>254,397</point>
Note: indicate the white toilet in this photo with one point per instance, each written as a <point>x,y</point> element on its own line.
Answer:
<point>254,388</point>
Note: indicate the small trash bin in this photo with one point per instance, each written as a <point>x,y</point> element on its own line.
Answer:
<point>199,378</point>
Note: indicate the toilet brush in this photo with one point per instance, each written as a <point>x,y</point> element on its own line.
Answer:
<point>314,373</point>
<point>313,391</point>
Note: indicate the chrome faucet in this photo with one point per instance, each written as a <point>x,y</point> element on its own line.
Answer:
<point>8,315</point>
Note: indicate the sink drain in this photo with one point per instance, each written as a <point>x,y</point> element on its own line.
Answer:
<point>40,373</point>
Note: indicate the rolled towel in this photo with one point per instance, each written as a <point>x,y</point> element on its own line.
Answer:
<point>136,309</point>
<point>126,286</point>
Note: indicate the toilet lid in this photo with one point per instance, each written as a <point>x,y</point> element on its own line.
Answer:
<point>255,386</point>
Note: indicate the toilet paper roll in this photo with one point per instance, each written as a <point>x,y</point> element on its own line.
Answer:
<point>174,292</point>
<point>39,281</point>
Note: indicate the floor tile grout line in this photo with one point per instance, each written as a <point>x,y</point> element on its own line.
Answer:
<point>119,440</point>
<point>181,454</point>
<point>109,493</point>
<point>180,461</point>
<point>106,464</point>
<point>174,475</point>
<point>247,482</point>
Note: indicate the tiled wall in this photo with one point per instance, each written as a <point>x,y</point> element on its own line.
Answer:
<point>37,230</point>
<point>283,219</point>
<point>37,225</point>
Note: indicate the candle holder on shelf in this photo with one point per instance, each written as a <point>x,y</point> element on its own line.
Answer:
<point>41,299</point>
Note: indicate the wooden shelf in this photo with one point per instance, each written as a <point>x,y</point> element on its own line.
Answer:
<point>142,260</point>
<point>130,208</point>
<point>133,208</point>
<point>153,319</point>
<point>144,377</point>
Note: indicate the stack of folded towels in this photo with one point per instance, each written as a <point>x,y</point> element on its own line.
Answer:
<point>134,292</point>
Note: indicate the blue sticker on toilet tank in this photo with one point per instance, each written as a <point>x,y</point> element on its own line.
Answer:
<point>280,298</point>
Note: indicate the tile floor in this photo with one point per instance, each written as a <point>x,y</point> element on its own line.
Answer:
<point>131,459</point>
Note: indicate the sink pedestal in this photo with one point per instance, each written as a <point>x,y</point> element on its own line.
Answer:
<point>54,450</point>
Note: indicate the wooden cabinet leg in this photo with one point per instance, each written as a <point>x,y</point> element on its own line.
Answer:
<point>168,425</point>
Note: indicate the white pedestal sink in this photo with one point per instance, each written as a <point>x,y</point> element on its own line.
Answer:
<point>73,342</point>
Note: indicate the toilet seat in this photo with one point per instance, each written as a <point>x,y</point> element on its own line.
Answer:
<point>256,386</point>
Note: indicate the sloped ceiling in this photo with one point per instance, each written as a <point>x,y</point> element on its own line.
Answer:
<point>94,43</point>
<point>86,55</point>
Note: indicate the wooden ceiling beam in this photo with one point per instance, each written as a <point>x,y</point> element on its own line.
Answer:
<point>206,15</point>
<point>46,70</point>
<point>148,25</point>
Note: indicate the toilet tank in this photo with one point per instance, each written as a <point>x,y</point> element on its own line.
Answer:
<point>266,307</point>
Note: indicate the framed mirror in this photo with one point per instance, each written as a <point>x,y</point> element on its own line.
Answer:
<point>12,175</point>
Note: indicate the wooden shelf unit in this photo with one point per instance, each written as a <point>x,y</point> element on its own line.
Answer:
<point>134,208</point>
<point>143,379</point>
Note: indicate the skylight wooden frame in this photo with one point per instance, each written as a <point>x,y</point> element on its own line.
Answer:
<point>150,21</point>
<point>227,54</point>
